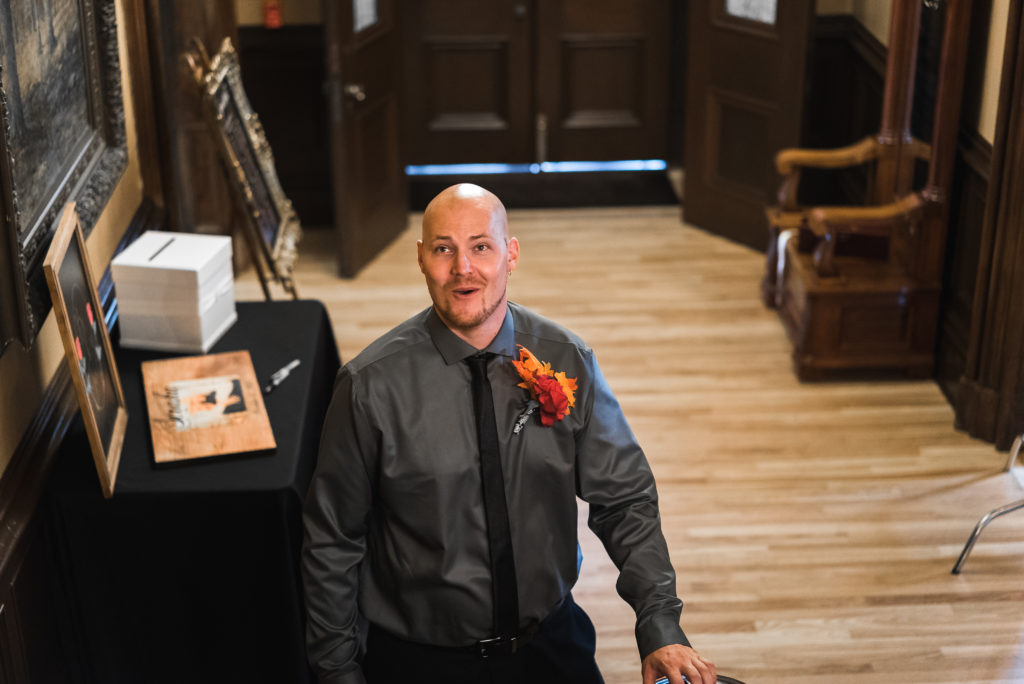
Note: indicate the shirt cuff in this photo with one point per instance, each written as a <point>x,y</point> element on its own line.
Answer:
<point>353,676</point>
<point>658,631</point>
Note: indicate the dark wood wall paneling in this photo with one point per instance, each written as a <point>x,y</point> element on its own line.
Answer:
<point>283,72</point>
<point>967,211</point>
<point>971,175</point>
<point>193,182</point>
<point>990,400</point>
<point>845,101</point>
<point>39,641</point>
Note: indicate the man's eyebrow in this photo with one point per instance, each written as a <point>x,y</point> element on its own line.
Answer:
<point>481,236</point>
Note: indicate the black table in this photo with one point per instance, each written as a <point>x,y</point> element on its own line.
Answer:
<point>190,572</point>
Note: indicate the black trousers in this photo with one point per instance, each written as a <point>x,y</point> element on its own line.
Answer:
<point>561,652</point>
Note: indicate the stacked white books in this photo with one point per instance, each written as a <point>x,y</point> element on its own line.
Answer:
<point>175,291</point>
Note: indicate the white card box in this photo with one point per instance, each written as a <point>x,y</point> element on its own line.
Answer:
<point>175,291</point>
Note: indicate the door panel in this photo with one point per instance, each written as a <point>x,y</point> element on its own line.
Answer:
<point>532,80</point>
<point>745,97</point>
<point>467,67</point>
<point>602,79</point>
<point>370,202</point>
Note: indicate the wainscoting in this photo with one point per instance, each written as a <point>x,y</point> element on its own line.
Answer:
<point>39,640</point>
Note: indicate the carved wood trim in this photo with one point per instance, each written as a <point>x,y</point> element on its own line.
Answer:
<point>988,404</point>
<point>88,178</point>
<point>967,209</point>
<point>144,101</point>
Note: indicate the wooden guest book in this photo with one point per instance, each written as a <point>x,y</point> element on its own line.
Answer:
<point>202,406</point>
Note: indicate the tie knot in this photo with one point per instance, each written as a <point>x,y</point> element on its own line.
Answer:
<point>478,362</point>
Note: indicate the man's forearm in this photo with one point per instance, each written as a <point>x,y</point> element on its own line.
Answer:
<point>334,544</point>
<point>329,574</point>
<point>632,536</point>
<point>615,478</point>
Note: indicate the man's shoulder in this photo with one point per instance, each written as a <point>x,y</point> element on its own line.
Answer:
<point>532,326</point>
<point>400,339</point>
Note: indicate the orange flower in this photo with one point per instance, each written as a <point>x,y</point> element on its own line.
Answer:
<point>555,392</point>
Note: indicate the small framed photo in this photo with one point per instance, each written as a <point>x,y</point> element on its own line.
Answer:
<point>76,304</point>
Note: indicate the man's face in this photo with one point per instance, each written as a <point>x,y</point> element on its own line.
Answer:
<point>466,259</point>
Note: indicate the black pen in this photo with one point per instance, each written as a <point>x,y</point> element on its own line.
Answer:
<point>279,375</point>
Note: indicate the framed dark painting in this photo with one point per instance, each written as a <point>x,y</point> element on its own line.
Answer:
<point>76,304</point>
<point>249,161</point>
<point>62,139</point>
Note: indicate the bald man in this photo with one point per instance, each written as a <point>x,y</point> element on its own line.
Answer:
<point>441,541</point>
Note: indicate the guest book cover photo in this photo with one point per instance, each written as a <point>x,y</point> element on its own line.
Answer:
<point>203,406</point>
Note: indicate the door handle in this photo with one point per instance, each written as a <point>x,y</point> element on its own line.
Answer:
<point>540,139</point>
<point>355,91</point>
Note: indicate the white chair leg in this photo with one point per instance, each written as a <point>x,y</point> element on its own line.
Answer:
<point>780,263</point>
<point>1014,452</point>
<point>985,520</point>
<point>994,513</point>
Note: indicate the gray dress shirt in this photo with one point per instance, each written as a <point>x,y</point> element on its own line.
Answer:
<point>394,519</point>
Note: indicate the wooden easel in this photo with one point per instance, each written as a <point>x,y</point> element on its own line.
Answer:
<point>272,262</point>
<point>260,261</point>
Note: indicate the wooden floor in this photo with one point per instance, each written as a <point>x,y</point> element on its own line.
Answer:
<point>813,527</point>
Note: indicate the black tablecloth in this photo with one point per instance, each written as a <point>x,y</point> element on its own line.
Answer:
<point>190,572</point>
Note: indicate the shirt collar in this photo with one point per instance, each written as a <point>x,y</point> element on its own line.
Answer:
<point>454,349</point>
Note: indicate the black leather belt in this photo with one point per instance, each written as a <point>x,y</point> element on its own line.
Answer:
<point>494,647</point>
<point>503,646</point>
<point>488,648</point>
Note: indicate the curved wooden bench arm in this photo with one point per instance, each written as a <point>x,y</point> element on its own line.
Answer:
<point>828,222</point>
<point>865,219</point>
<point>920,150</point>
<point>793,158</point>
<point>791,161</point>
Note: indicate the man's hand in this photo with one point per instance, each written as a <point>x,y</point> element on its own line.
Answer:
<point>674,661</point>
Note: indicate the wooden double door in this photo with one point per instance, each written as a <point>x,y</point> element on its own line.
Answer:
<point>522,81</point>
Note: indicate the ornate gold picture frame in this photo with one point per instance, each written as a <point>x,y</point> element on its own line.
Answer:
<point>83,330</point>
<point>272,221</point>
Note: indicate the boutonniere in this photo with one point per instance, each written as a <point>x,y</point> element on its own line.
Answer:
<point>554,392</point>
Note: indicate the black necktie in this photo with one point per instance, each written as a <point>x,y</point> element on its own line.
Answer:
<point>504,593</point>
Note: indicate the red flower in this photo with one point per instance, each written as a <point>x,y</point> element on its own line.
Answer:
<point>555,392</point>
<point>554,405</point>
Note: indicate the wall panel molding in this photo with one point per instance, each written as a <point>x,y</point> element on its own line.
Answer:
<point>966,217</point>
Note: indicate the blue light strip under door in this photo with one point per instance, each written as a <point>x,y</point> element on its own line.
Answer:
<point>544,167</point>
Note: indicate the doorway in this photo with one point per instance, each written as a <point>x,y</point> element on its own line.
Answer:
<point>531,81</point>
